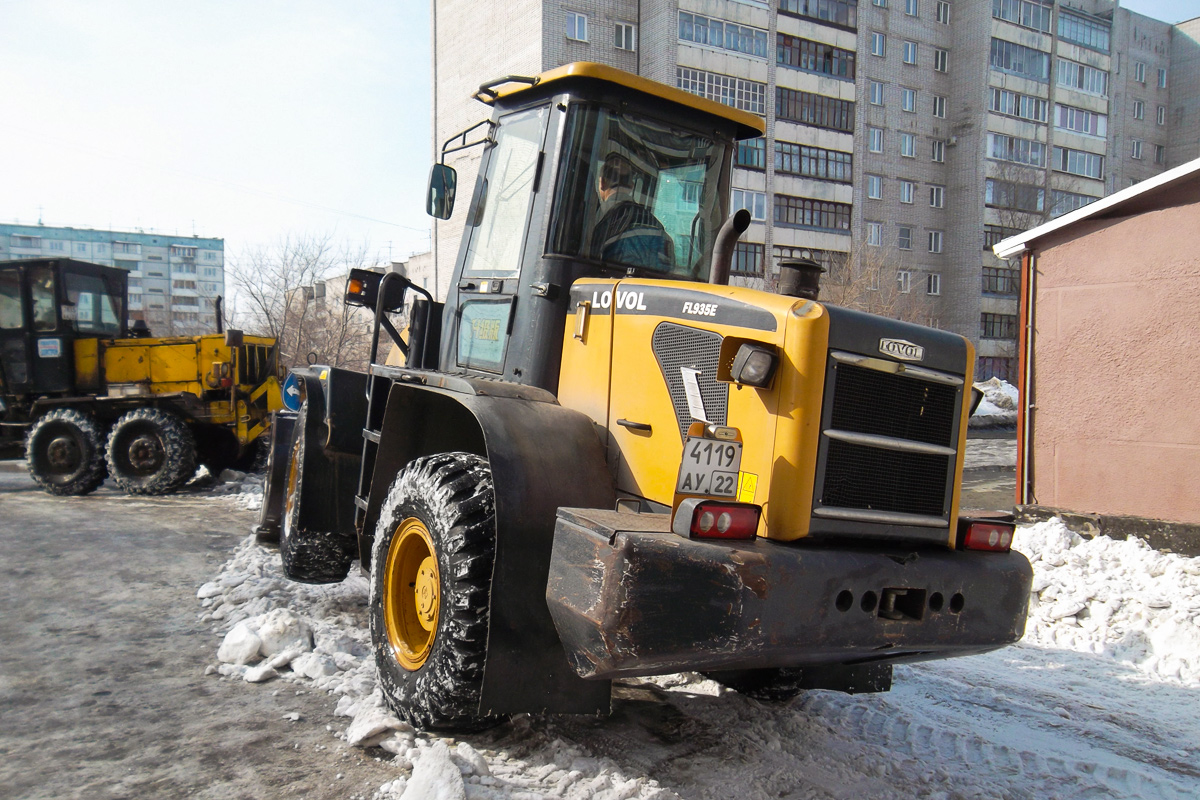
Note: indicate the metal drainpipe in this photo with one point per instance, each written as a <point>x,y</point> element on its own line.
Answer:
<point>1027,381</point>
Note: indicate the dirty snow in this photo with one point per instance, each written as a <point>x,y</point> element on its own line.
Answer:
<point>240,489</point>
<point>1099,700</point>
<point>998,407</point>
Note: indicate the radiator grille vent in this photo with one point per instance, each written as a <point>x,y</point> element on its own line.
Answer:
<point>869,401</point>
<point>885,480</point>
<point>677,347</point>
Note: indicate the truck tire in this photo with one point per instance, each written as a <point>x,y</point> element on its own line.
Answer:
<point>772,685</point>
<point>309,556</point>
<point>65,452</point>
<point>431,574</point>
<point>150,452</point>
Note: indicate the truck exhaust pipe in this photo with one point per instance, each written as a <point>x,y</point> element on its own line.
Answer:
<point>800,277</point>
<point>727,238</point>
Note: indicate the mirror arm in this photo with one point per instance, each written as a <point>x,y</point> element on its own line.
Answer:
<point>462,136</point>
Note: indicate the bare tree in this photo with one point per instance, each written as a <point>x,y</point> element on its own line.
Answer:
<point>292,291</point>
<point>877,280</point>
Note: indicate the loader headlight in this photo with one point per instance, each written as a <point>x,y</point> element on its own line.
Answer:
<point>753,365</point>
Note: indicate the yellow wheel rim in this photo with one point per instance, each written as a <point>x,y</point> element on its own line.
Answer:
<point>411,594</point>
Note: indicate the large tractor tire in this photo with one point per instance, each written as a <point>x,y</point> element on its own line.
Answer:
<point>65,452</point>
<point>771,685</point>
<point>309,556</point>
<point>151,452</point>
<point>431,574</point>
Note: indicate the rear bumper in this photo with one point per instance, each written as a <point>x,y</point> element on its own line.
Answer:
<point>630,598</point>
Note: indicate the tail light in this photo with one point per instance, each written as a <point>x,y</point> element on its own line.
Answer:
<point>996,537</point>
<point>716,519</point>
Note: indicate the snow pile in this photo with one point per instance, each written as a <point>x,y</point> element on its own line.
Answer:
<point>243,490</point>
<point>1121,599</point>
<point>998,406</point>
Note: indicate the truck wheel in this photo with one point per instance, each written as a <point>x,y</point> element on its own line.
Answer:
<point>65,452</point>
<point>431,575</point>
<point>774,685</point>
<point>308,556</point>
<point>151,451</point>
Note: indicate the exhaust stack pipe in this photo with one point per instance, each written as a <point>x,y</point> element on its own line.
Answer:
<point>800,277</point>
<point>727,238</point>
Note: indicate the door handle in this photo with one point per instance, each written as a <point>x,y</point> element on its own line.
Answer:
<point>635,426</point>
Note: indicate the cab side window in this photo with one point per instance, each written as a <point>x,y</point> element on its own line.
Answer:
<point>41,290</point>
<point>12,316</point>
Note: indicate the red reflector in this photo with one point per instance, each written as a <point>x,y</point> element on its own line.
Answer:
<point>989,536</point>
<point>707,519</point>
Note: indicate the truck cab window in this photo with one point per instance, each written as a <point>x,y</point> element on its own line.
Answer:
<point>11,314</point>
<point>642,194</point>
<point>94,307</point>
<point>41,288</point>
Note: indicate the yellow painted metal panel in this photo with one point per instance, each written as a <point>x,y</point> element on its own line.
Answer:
<point>587,354</point>
<point>126,362</point>
<point>175,363</point>
<point>87,365</point>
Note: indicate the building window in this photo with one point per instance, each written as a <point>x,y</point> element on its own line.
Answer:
<point>837,12</point>
<point>938,151</point>
<point>937,196</point>
<point>876,93</point>
<point>903,281</point>
<point>747,259</point>
<point>1139,109</point>
<point>1162,115</point>
<point>1065,202</point>
<point>817,110</point>
<point>804,212</point>
<point>875,234</point>
<point>908,145</point>
<point>943,12</point>
<point>907,191</point>
<point>576,26</point>
<point>1026,13</point>
<point>875,187</point>
<point>910,52</point>
<point>941,60</point>
<point>1139,72</point>
<point>1069,118</point>
<point>1090,33</point>
<point>722,34</point>
<point>939,106</point>
<point>878,44</point>
<point>818,57</point>
<point>904,237</point>
<point>998,326</point>
<point>55,245</point>
<point>754,202</point>
<point>813,162</point>
<point>1082,78</point>
<point>1018,196</point>
<point>1160,154</point>
<point>747,95</point>
<point>910,7</point>
<point>933,283</point>
<point>995,367</point>
<point>1014,104</point>
<point>875,140</point>
<point>908,99</point>
<point>81,248</point>
<point>1136,148</point>
<point>1019,151</point>
<point>993,234</point>
<point>751,153</point>
<point>131,248</point>
<point>935,241</point>
<point>1162,78</point>
<point>626,36</point>
<point>1077,162</point>
<point>1001,281</point>
<point>1020,60</point>
<point>880,3</point>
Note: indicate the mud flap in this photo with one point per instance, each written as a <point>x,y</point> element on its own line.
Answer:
<point>332,448</point>
<point>275,482</point>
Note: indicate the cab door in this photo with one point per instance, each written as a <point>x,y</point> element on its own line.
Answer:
<point>14,339</point>
<point>50,352</point>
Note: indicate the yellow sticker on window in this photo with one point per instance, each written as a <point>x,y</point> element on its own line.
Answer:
<point>747,483</point>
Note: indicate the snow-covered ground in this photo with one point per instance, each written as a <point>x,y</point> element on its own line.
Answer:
<point>1099,700</point>
<point>998,408</point>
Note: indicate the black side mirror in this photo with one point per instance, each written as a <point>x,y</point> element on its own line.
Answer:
<point>442,183</point>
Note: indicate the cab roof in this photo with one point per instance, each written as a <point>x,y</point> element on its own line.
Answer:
<point>748,125</point>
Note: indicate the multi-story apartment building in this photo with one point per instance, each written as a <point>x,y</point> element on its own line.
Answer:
<point>909,133</point>
<point>173,280</point>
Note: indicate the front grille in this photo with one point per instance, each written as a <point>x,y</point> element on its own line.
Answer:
<point>678,346</point>
<point>256,363</point>
<point>888,444</point>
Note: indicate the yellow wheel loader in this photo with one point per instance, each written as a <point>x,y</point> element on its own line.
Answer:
<point>600,460</point>
<point>91,399</point>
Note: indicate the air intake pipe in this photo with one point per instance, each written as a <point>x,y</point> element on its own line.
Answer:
<point>727,238</point>
<point>800,277</point>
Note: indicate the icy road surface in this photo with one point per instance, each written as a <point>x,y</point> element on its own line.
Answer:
<point>1101,700</point>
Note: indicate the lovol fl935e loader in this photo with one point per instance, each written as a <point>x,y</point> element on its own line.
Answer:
<point>91,401</point>
<point>600,460</point>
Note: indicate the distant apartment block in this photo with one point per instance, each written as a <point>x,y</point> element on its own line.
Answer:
<point>913,132</point>
<point>173,280</point>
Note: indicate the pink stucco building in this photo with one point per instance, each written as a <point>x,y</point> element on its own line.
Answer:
<point>1110,354</point>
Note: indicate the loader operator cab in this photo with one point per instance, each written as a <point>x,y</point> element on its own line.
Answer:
<point>45,305</point>
<point>587,171</point>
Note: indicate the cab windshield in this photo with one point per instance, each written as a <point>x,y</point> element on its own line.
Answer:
<point>93,305</point>
<point>637,193</point>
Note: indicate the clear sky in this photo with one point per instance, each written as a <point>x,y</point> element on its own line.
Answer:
<point>247,120</point>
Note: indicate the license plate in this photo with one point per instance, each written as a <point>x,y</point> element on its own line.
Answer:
<point>710,467</point>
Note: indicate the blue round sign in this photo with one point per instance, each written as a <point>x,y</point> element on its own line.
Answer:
<point>291,393</point>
